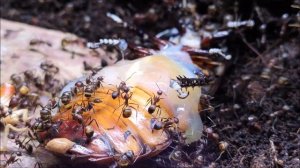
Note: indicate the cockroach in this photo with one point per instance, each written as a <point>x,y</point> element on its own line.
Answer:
<point>192,82</point>
<point>91,131</point>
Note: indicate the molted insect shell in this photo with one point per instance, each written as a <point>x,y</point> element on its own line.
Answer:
<point>143,76</point>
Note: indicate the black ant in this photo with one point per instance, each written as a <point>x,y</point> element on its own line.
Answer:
<point>164,123</point>
<point>16,79</point>
<point>12,159</point>
<point>45,121</point>
<point>29,76</point>
<point>120,88</point>
<point>77,113</point>
<point>78,88</point>
<point>77,116</point>
<point>153,101</point>
<point>66,99</point>
<point>49,68</point>
<point>125,159</point>
<point>24,145</point>
<point>78,110</point>
<point>90,104</point>
<point>156,124</point>
<point>126,110</point>
<point>92,85</point>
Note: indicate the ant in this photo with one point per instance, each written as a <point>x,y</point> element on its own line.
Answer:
<point>66,99</point>
<point>24,145</point>
<point>92,85</point>
<point>90,104</point>
<point>126,110</point>
<point>77,113</point>
<point>45,121</point>
<point>120,89</point>
<point>77,116</point>
<point>12,159</point>
<point>78,88</point>
<point>78,110</point>
<point>164,123</point>
<point>88,129</point>
<point>125,159</point>
<point>153,101</point>
<point>16,80</point>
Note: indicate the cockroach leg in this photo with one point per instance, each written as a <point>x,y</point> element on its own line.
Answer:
<point>176,86</point>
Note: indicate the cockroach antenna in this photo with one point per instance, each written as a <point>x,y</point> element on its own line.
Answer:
<point>217,51</point>
<point>210,52</point>
<point>120,44</point>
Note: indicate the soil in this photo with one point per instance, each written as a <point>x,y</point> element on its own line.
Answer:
<point>256,107</point>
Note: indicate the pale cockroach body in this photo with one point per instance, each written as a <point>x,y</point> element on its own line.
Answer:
<point>94,122</point>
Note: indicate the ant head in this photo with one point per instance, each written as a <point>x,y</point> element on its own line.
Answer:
<point>159,92</point>
<point>79,84</point>
<point>28,73</point>
<point>176,120</point>
<point>100,78</point>
<point>122,83</point>
<point>88,80</point>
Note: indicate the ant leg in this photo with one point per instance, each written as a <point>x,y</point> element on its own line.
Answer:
<point>118,107</point>
<point>148,101</point>
<point>111,89</point>
<point>118,117</point>
<point>93,120</point>
<point>158,111</point>
<point>6,132</point>
<point>141,146</point>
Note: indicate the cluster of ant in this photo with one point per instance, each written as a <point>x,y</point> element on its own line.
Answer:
<point>19,111</point>
<point>84,91</point>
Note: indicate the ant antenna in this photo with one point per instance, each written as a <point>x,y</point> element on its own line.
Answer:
<point>127,78</point>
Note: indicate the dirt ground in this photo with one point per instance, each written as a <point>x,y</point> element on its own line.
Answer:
<point>256,107</point>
